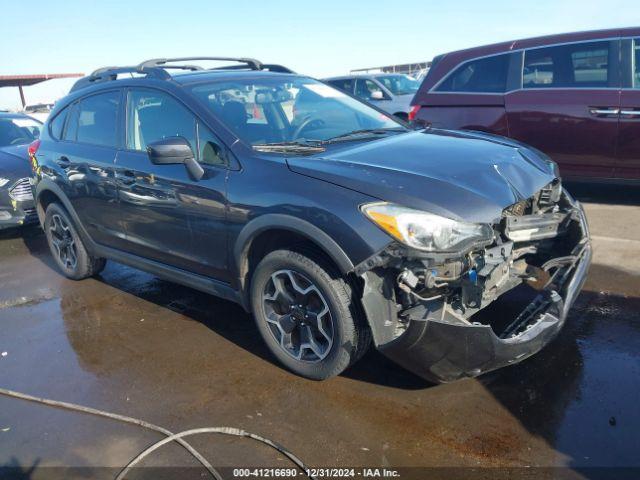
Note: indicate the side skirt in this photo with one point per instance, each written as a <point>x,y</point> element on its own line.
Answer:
<point>173,274</point>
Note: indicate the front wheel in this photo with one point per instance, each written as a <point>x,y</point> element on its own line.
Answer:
<point>306,315</point>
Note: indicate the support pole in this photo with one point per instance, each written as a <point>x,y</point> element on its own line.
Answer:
<point>24,103</point>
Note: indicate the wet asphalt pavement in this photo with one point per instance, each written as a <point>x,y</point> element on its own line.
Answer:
<point>129,343</point>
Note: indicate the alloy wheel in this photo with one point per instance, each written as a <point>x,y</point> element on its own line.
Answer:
<point>298,316</point>
<point>63,242</point>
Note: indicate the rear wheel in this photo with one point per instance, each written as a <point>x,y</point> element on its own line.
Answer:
<point>306,316</point>
<point>67,247</point>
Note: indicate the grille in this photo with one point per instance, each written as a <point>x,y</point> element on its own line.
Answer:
<point>21,190</point>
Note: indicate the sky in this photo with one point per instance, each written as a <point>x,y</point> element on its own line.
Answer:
<point>318,38</point>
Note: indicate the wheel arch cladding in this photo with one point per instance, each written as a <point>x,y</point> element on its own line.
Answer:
<point>272,231</point>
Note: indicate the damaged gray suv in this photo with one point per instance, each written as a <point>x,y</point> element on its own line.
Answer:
<point>335,224</point>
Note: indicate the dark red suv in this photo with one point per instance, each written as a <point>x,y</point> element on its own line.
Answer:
<point>574,96</point>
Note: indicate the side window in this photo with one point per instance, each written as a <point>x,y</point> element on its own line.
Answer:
<point>580,65</point>
<point>153,116</point>
<point>210,151</point>
<point>344,84</point>
<point>636,63</point>
<point>365,88</point>
<point>71,130</point>
<point>57,124</point>
<point>485,75</point>
<point>97,119</point>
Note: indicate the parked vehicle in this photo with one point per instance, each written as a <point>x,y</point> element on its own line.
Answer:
<point>333,223</point>
<point>391,92</point>
<point>17,131</point>
<point>574,96</point>
<point>40,111</point>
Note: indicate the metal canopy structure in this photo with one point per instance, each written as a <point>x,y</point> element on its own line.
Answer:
<point>22,81</point>
<point>403,68</point>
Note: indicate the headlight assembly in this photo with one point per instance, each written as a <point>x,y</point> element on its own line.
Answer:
<point>426,231</point>
<point>3,181</point>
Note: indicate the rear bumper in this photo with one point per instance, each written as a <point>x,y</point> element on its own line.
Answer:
<point>441,348</point>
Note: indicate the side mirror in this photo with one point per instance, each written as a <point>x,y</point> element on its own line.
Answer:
<point>377,95</point>
<point>172,151</point>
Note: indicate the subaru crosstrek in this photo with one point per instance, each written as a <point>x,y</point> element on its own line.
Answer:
<point>334,223</point>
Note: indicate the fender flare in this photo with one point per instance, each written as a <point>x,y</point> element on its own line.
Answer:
<point>277,221</point>
<point>46,185</point>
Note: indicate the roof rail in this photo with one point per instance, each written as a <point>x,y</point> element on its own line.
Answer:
<point>106,74</point>
<point>252,63</point>
<point>157,68</point>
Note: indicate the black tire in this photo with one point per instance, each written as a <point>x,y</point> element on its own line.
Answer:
<point>85,265</point>
<point>351,334</point>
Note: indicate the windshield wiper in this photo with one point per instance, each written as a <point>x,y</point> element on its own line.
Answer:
<point>363,133</point>
<point>290,147</point>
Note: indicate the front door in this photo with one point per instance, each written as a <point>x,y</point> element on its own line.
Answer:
<point>628,154</point>
<point>568,106</point>
<point>168,216</point>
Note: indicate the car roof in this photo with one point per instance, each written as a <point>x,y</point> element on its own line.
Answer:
<point>15,115</point>
<point>449,61</point>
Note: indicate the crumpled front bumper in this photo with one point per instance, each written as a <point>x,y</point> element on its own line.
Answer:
<point>444,351</point>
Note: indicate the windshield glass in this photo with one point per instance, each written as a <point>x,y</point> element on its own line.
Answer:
<point>399,84</point>
<point>291,109</point>
<point>18,130</point>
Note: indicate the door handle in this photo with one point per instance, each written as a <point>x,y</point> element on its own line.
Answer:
<point>630,113</point>
<point>63,161</point>
<point>598,111</point>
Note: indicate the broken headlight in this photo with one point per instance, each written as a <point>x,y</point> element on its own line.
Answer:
<point>426,231</point>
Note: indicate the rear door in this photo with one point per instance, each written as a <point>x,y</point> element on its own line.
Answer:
<point>568,105</point>
<point>628,151</point>
<point>168,216</point>
<point>86,153</point>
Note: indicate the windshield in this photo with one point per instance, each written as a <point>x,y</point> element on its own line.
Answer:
<point>292,109</point>
<point>399,84</point>
<point>18,130</point>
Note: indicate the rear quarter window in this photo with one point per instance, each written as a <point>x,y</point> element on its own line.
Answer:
<point>57,124</point>
<point>484,75</point>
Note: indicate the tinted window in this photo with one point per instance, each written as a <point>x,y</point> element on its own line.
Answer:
<point>487,75</point>
<point>365,88</point>
<point>344,84</point>
<point>154,116</point>
<point>210,151</point>
<point>97,119</point>
<point>71,130</point>
<point>581,65</point>
<point>57,124</point>
<point>636,63</point>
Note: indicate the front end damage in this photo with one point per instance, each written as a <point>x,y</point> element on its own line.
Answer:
<point>446,316</point>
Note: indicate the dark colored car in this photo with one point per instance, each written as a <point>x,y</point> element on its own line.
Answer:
<point>17,131</point>
<point>575,96</point>
<point>457,253</point>
<point>391,92</point>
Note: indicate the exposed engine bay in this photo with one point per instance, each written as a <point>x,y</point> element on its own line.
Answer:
<point>507,287</point>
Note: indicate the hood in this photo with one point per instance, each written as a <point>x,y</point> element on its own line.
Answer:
<point>14,162</point>
<point>459,175</point>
